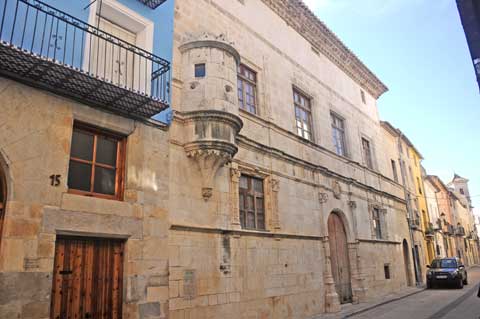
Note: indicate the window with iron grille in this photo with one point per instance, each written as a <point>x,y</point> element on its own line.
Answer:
<point>367,153</point>
<point>338,134</point>
<point>247,89</point>
<point>252,204</point>
<point>377,223</point>
<point>303,115</point>
<point>96,162</point>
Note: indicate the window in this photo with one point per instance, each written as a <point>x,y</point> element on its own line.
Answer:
<point>338,133</point>
<point>364,100</point>
<point>96,162</point>
<point>252,214</point>
<point>200,71</point>
<point>419,186</point>
<point>367,153</point>
<point>303,115</point>
<point>462,191</point>
<point>394,170</point>
<point>386,270</point>
<point>377,225</point>
<point>247,89</point>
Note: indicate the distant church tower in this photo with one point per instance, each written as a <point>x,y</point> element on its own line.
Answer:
<point>460,185</point>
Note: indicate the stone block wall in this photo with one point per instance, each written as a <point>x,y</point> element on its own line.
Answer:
<point>35,137</point>
<point>244,275</point>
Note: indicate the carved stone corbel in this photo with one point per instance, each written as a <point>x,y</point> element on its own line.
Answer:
<point>209,161</point>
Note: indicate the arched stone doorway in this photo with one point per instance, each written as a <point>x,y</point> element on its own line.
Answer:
<point>339,258</point>
<point>406,262</point>
<point>3,200</point>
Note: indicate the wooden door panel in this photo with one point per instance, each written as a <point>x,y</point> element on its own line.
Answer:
<point>87,283</point>
<point>339,258</point>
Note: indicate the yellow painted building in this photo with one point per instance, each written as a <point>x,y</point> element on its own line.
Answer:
<point>425,223</point>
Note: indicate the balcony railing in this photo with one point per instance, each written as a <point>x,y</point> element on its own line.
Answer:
<point>429,230</point>
<point>460,231</point>
<point>415,223</point>
<point>152,3</point>
<point>50,49</point>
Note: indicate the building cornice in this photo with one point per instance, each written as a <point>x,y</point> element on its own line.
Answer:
<point>306,23</point>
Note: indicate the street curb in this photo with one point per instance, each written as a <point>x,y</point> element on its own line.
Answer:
<point>383,303</point>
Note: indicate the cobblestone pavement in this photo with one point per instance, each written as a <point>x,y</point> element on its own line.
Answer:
<point>439,303</point>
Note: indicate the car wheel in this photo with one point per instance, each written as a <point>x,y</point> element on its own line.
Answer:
<point>460,283</point>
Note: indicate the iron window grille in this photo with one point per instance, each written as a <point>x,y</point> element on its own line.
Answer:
<point>50,49</point>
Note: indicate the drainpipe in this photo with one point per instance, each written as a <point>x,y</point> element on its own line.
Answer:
<point>418,280</point>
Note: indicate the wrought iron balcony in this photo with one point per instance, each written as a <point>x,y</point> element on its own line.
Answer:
<point>50,49</point>
<point>460,231</point>
<point>429,230</point>
<point>415,223</point>
<point>152,3</point>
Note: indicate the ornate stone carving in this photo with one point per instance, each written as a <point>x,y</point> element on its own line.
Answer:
<point>205,39</point>
<point>234,197</point>
<point>336,189</point>
<point>322,198</point>
<point>352,204</point>
<point>300,18</point>
<point>274,189</point>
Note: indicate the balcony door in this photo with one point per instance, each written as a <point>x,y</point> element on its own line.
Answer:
<point>87,279</point>
<point>112,61</point>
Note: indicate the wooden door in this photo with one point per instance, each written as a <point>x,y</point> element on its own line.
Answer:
<point>339,258</point>
<point>87,279</point>
<point>406,262</point>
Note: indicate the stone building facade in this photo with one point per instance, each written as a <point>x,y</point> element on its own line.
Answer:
<point>309,138</point>
<point>275,191</point>
<point>407,157</point>
<point>35,143</point>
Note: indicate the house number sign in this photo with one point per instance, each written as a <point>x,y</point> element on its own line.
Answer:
<point>55,180</point>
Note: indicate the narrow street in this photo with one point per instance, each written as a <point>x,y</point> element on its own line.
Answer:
<point>445,303</point>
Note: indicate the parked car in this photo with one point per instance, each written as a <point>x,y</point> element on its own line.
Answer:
<point>447,271</point>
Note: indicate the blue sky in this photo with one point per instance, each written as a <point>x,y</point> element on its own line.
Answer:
<point>418,49</point>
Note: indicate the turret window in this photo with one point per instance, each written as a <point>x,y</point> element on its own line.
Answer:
<point>200,70</point>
